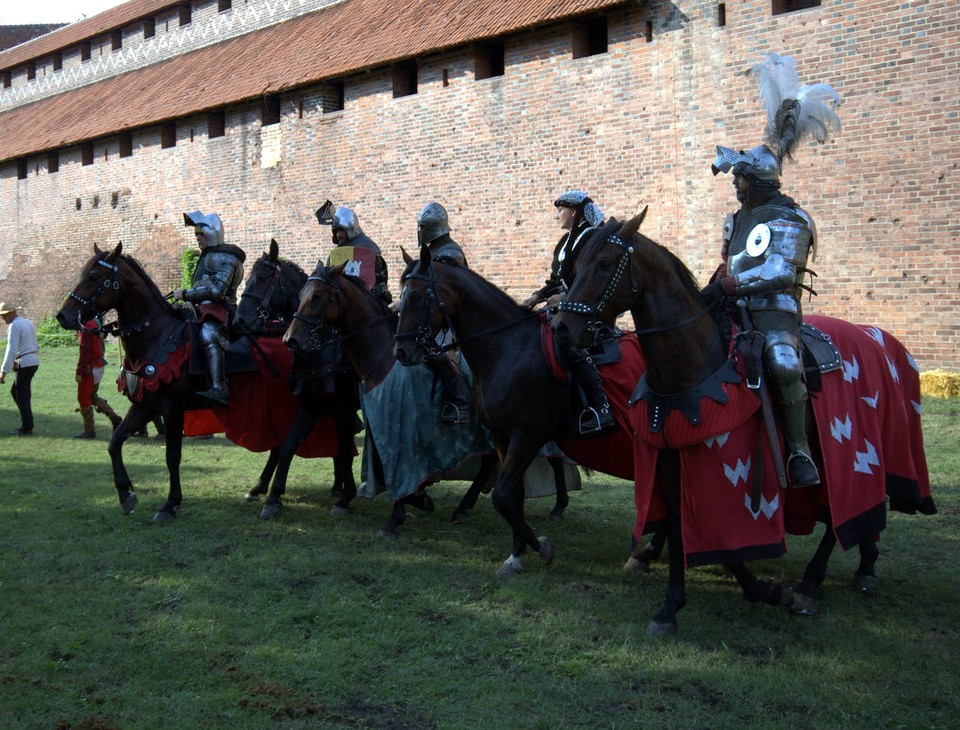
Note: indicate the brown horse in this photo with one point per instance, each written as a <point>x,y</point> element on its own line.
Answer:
<point>338,308</point>
<point>684,346</point>
<point>325,387</point>
<point>156,339</point>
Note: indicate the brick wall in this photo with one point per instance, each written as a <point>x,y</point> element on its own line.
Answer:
<point>635,126</point>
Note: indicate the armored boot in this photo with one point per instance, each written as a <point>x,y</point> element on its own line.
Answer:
<point>88,432</point>
<point>801,471</point>
<point>217,392</point>
<point>456,407</point>
<point>597,415</point>
<point>103,407</point>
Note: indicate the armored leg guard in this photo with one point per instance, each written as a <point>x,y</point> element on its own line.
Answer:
<point>456,407</point>
<point>89,431</point>
<point>217,391</point>
<point>784,370</point>
<point>801,471</point>
<point>597,415</point>
<point>103,407</point>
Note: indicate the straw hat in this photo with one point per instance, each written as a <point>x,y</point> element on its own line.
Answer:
<point>4,309</point>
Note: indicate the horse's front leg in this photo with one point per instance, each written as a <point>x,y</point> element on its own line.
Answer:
<point>344,483</point>
<point>664,622</point>
<point>560,480</point>
<point>805,596</point>
<point>865,581</point>
<point>173,434</point>
<point>263,482</point>
<point>302,423</point>
<point>488,462</point>
<point>508,501</point>
<point>132,422</point>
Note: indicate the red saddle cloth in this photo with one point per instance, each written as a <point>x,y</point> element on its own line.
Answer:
<point>262,406</point>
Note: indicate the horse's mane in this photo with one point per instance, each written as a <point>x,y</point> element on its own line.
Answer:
<point>357,282</point>
<point>613,226</point>
<point>142,273</point>
<point>495,290</point>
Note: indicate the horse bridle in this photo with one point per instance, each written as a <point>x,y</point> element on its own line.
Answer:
<point>263,311</point>
<point>91,303</point>
<point>593,313</point>
<point>315,324</point>
<point>422,336</point>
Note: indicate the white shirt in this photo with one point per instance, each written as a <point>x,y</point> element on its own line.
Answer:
<point>22,343</point>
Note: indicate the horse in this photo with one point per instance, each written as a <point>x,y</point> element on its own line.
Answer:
<point>685,346</point>
<point>518,394</point>
<point>157,341</point>
<point>335,306</point>
<point>324,388</point>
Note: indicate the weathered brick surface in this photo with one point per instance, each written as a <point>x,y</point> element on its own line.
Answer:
<point>635,126</point>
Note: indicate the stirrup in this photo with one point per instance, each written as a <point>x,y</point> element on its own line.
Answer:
<point>801,471</point>
<point>592,420</point>
<point>453,415</point>
<point>217,395</point>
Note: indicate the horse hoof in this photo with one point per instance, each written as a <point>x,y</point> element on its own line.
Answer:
<point>555,517</point>
<point>787,596</point>
<point>129,504</point>
<point>386,534</point>
<point>657,629</point>
<point>865,585</point>
<point>251,497</point>
<point>459,517</point>
<point>633,565</point>
<point>269,511</point>
<point>804,605</point>
<point>338,511</point>
<point>508,570</point>
<point>164,516</point>
<point>547,551</point>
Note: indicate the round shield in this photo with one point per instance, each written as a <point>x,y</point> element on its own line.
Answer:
<point>758,240</point>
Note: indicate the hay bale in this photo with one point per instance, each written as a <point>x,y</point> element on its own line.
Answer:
<point>940,384</point>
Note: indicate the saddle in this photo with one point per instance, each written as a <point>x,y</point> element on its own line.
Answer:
<point>820,355</point>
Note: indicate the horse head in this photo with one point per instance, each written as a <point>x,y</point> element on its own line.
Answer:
<point>321,307</point>
<point>605,282</point>
<point>426,303</point>
<point>270,292</point>
<point>96,292</point>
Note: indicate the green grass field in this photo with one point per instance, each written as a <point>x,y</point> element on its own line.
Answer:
<point>219,619</point>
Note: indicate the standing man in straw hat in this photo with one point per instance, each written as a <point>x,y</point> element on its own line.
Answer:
<point>22,358</point>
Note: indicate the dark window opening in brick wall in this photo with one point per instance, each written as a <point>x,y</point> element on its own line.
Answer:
<point>488,61</point>
<point>404,80</point>
<point>270,112</point>
<point>126,144</point>
<point>31,70</point>
<point>168,135</point>
<point>332,97</point>
<point>149,28</point>
<point>57,60</point>
<point>186,14</point>
<point>224,5</point>
<point>116,41</point>
<point>590,38</point>
<point>86,153</point>
<point>722,14</point>
<point>53,161</point>
<point>778,7</point>
<point>84,51</point>
<point>7,80</point>
<point>22,169</point>
<point>216,123</point>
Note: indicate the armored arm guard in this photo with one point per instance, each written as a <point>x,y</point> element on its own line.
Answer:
<point>216,279</point>
<point>769,264</point>
<point>381,290</point>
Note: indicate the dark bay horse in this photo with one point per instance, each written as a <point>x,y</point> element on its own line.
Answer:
<point>517,394</point>
<point>156,339</point>
<point>338,307</point>
<point>684,346</point>
<point>324,387</point>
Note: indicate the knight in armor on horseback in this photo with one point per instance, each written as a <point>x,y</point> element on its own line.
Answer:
<point>433,231</point>
<point>214,293</point>
<point>767,242</point>
<point>579,216</point>
<point>347,233</point>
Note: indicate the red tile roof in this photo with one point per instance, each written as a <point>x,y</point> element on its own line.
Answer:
<point>330,43</point>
